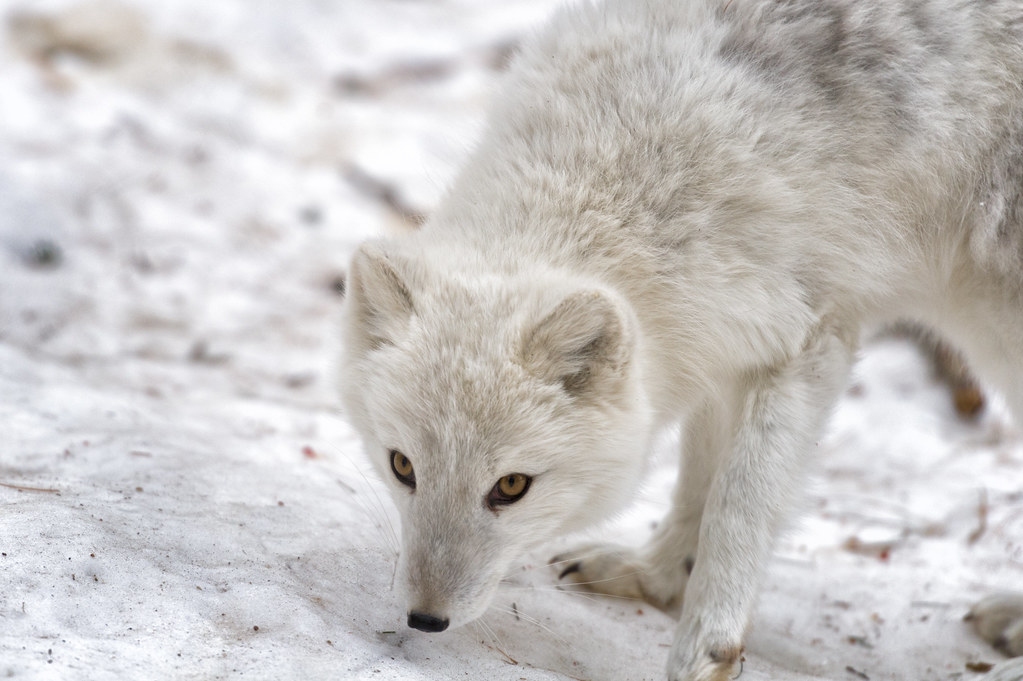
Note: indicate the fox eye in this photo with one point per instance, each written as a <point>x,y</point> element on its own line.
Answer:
<point>402,468</point>
<point>508,490</point>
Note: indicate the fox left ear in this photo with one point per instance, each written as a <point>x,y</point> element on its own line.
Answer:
<point>582,342</point>
<point>378,296</point>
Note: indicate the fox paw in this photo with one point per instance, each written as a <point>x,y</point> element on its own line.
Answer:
<point>617,571</point>
<point>692,659</point>
<point>998,620</point>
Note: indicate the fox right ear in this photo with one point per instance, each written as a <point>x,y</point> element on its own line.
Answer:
<point>379,298</point>
<point>583,344</point>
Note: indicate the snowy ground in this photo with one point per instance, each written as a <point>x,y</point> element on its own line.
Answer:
<point>181,184</point>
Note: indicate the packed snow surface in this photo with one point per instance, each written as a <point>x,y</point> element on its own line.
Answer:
<point>181,185</point>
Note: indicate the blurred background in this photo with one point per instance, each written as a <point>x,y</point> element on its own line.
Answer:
<point>183,181</point>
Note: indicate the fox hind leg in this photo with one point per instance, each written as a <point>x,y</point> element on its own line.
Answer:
<point>998,619</point>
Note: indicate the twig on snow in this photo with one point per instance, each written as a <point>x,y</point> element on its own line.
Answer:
<point>383,192</point>
<point>23,488</point>
<point>982,511</point>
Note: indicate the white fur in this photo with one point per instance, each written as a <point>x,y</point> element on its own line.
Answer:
<point>685,210</point>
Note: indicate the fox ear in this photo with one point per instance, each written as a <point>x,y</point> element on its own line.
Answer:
<point>582,342</point>
<point>378,297</point>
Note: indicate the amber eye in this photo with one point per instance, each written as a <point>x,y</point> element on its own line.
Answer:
<point>402,468</point>
<point>508,490</point>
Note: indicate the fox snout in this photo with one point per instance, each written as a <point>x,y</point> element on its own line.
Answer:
<point>446,583</point>
<point>426,622</point>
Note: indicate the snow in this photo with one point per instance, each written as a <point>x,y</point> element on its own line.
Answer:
<point>181,185</point>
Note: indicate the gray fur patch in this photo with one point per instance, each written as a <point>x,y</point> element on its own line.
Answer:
<point>998,239</point>
<point>848,55</point>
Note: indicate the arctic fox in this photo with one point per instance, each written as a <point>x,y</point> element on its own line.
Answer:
<point>684,210</point>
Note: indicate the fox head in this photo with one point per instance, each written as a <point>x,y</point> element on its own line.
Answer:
<point>501,411</point>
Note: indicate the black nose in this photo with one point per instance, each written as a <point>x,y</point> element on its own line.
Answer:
<point>424,622</point>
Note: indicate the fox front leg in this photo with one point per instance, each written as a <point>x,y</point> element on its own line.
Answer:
<point>657,572</point>
<point>780,417</point>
